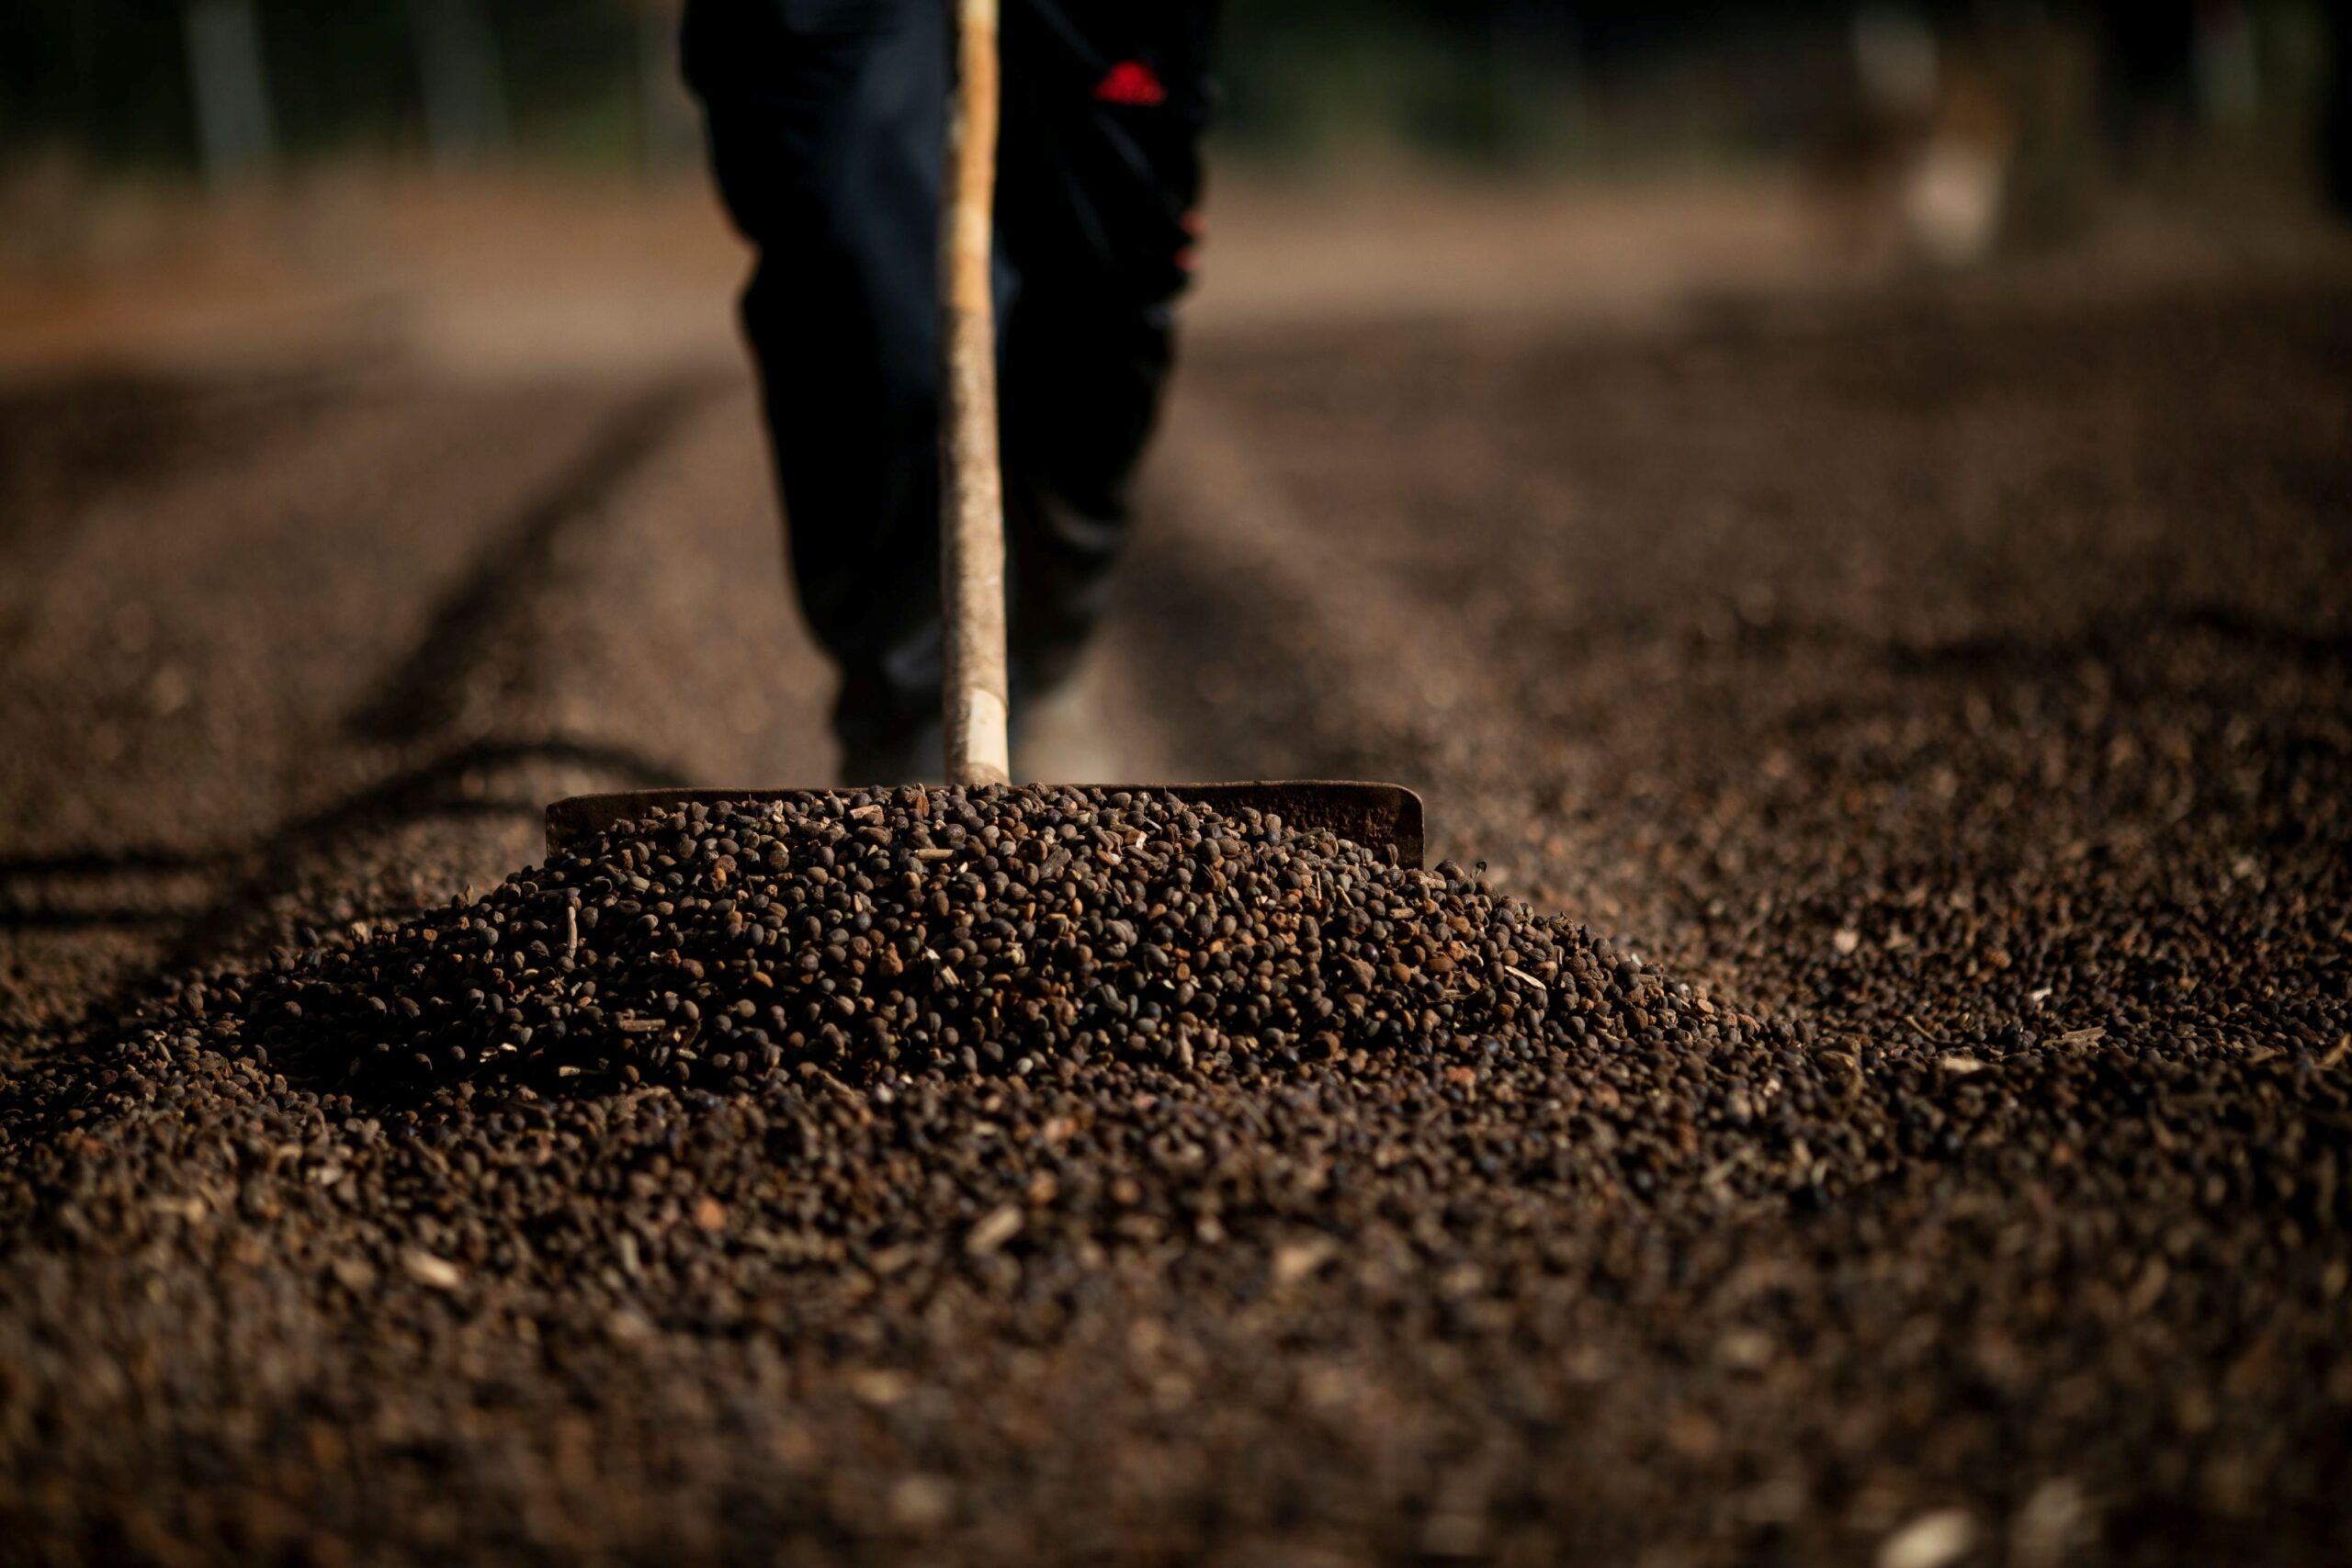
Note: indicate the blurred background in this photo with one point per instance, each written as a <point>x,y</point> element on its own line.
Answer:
<point>488,181</point>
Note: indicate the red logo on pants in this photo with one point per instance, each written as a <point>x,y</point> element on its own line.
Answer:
<point>1133,83</point>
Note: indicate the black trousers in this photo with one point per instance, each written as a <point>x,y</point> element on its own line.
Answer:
<point>827,120</point>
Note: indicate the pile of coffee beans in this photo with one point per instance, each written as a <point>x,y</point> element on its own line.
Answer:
<point>871,935</point>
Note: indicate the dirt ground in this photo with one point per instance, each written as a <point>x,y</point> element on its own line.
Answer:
<point>1948,668</point>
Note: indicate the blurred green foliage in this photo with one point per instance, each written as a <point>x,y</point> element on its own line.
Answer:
<point>107,80</point>
<point>588,82</point>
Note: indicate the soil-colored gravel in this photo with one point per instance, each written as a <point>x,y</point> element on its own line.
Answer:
<point>1887,1096</point>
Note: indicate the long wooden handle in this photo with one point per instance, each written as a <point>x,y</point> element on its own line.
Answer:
<point>971,524</point>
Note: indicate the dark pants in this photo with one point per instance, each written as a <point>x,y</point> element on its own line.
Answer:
<point>827,120</point>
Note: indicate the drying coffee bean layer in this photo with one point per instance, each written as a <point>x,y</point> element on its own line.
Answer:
<point>1029,1052</point>
<point>1942,1162</point>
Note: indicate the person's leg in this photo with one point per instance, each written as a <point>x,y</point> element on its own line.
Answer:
<point>1105,104</point>
<point>826,120</point>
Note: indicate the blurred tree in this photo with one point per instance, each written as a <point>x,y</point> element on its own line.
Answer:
<point>465,96</point>
<point>2335,120</point>
<point>105,79</point>
<point>236,131</point>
